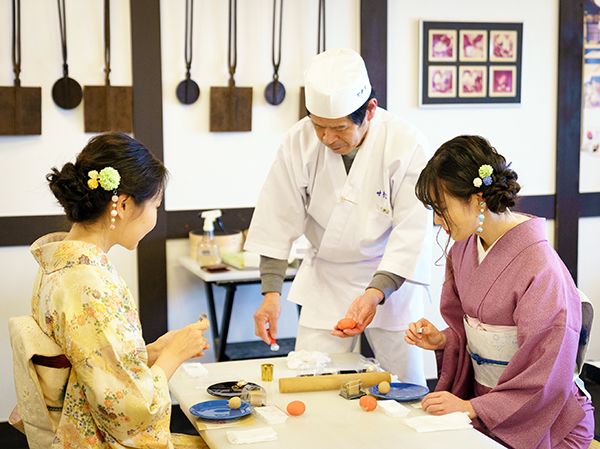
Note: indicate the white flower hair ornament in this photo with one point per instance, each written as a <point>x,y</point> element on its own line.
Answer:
<point>485,176</point>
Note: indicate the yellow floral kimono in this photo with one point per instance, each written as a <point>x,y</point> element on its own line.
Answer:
<point>113,399</point>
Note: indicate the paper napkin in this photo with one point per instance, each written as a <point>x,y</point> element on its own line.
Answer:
<point>251,436</point>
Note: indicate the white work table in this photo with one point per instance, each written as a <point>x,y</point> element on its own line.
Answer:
<point>229,280</point>
<point>329,422</point>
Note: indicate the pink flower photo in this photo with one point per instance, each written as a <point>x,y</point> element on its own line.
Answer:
<point>442,81</point>
<point>502,81</point>
<point>503,46</point>
<point>442,45</point>
<point>473,45</point>
<point>472,81</point>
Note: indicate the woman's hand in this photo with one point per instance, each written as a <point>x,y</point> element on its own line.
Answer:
<point>443,402</point>
<point>425,335</point>
<point>183,344</point>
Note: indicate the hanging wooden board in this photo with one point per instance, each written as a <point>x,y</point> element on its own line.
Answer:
<point>20,107</point>
<point>20,110</point>
<point>108,108</point>
<point>230,109</point>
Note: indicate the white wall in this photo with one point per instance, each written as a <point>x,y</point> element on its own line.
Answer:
<point>525,134</point>
<point>30,158</point>
<point>227,169</point>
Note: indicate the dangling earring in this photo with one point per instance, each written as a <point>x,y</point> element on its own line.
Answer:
<point>481,217</point>
<point>113,212</point>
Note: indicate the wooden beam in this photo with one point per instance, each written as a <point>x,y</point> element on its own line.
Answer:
<point>373,44</point>
<point>147,127</point>
<point>23,231</point>
<point>568,126</point>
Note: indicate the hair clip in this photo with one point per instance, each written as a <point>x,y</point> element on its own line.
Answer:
<point>485,176</point>
<point>108,178</point>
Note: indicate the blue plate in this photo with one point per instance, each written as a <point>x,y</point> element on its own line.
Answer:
<point>218,409</point>
<point>401,392</point>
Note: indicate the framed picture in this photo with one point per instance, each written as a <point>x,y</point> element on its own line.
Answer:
<point>473,45</point>
<point>442,81</point>
<point>442,45</point>
<point>470,63</point>
<point>472,81</point>
<point>503,81</point>
<point>503,46</point>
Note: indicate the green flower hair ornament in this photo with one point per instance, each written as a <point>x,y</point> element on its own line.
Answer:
<point>108,178</point>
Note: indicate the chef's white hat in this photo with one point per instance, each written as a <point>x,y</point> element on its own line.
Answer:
<point>336,83</point>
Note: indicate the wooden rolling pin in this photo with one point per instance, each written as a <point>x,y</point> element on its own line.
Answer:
<point>329,382</point>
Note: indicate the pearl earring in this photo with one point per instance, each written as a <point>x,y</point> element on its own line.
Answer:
<point>481,217</point>
<point>113,212</point>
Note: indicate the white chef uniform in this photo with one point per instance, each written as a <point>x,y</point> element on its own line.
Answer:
<point>357,223</point>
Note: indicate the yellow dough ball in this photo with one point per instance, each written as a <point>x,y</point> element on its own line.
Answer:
<point>384,387</point>
<point>235,402</point>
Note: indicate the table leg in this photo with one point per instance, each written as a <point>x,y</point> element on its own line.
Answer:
<point>227,308</point>
<point>212,314</point>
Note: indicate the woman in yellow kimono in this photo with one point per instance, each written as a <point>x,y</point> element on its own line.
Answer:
<point>117,394</point>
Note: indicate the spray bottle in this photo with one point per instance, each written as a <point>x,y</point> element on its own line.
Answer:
<point>208,251</point>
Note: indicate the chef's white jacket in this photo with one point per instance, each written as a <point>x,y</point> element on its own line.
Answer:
<point>357,223</point>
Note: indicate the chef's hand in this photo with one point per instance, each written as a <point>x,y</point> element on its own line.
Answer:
<point>362,310</point>
<point>425,335</point>
<point>443,402</point>
<point>267,313</point>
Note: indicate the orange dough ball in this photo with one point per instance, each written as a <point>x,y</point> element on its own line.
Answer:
<point>346,323</point>
<point>296,408</point>
<point>368,403</point>
<point>384,387</point>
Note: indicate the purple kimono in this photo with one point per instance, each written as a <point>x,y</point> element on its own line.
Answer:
<point>522,282</point>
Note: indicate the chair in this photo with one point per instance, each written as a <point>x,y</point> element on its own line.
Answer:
<point>587,318</point>
<point>40,372</point>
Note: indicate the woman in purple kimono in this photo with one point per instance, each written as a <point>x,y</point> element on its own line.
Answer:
<point>513,312</point>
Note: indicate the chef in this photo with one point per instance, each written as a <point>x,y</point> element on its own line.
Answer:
<point>344,177</point>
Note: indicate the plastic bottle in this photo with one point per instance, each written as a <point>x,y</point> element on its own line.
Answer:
<point>208,251</point>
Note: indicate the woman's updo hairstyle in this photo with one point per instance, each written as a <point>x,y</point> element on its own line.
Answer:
<point>456,164</point>
<point>142,176</point>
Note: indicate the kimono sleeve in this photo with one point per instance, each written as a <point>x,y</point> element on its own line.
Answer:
<point>280,212</point>
<point>100,332</point>
<point>455,373</point>
<point>408,249</point>
<point>537,385</point>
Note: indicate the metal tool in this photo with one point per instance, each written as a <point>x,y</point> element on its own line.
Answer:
<point>188,90</point>
<point>66,92</point>
<point>275,90</point>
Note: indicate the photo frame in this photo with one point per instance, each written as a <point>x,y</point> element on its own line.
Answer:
<point>472,81</point>
<point>463,63</point>
<point>473,45</point>
<point>502,81</point>
<point>503,46</point>
<point>442,45</point>
<point>442,81</point>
